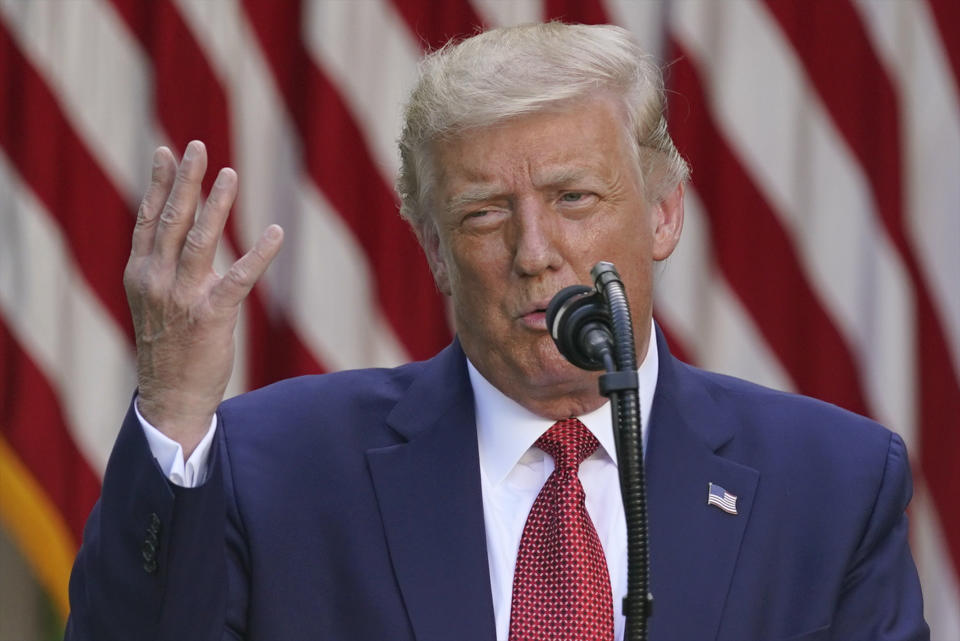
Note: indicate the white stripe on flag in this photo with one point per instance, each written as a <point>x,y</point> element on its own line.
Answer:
<point>369,53</point>
<point>694,300</point>
<point>322,277</point>
<point>818,190</point>
<point>907,41</point>
<point>54,315</point>
<point>101,76</point>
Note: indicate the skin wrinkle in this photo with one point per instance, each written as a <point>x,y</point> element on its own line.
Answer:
<point>514,237</point>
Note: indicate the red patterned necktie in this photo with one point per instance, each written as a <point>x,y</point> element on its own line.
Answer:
<point>561,587</point>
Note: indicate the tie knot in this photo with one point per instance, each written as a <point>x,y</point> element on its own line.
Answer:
<point>569,442</point>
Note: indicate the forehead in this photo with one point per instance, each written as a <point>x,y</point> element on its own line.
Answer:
<point>586,139</point>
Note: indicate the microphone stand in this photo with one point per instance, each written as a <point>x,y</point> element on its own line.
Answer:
<point>593,329</point>
<point>621,386</point>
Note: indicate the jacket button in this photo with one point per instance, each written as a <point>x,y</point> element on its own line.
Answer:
<point>149,550</point>
<point>151,544</point>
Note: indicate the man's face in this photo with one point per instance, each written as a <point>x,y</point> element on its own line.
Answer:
<point>525,208</point>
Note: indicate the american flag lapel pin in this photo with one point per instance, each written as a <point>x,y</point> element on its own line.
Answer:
<point>718,496</point>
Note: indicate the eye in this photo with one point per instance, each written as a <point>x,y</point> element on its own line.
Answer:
<point>577,201</point>
<point>478,216</point>
<point>483,219</point>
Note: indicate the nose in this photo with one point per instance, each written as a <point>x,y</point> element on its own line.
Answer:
<point>536,238</point>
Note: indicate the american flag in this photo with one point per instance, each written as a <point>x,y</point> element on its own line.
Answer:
<point>718,496</point>
<point>821,252</point>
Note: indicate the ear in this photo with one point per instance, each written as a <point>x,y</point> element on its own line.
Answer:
<point>668,223</point>
<point>430,241</point>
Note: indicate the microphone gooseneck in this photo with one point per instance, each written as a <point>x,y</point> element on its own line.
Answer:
<point>592,328</point>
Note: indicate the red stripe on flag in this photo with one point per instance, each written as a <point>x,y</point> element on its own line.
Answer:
<point>51,159</point>
<point>946,13</point>
<point>863,102</point>
<point>276,350</point>
<point>33,423</point>
<point>339,163</point>
<point>579,11</point>
<point>434,23</point>
<point>856,91</point>
<point>746,233</point>
<point>192,104</point>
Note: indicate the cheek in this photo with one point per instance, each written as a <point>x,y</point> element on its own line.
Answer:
<point>467,273</point>
<point>625,244</point>
<point>479,258</point>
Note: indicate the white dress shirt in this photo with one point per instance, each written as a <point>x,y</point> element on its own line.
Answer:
<point>169,453</point>
<point>512,472</point>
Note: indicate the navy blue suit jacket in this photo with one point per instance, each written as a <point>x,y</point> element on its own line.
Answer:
<point>348,506</point>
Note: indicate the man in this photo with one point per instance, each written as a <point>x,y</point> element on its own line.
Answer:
<point>439,500</point>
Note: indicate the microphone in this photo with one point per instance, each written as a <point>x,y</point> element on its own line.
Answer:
<point>580,326</point>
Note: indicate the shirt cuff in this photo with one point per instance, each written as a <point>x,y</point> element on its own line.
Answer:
<point>169,453</point>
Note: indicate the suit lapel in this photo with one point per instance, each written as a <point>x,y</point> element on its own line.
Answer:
<point>693,545</point>
<point>428,491</point>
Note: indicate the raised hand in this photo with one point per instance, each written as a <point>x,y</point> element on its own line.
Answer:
<point>184,313</point>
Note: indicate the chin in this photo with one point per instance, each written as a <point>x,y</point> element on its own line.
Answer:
<point>551,369</point>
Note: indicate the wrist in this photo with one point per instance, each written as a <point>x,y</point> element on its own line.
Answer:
<point>179,420</point>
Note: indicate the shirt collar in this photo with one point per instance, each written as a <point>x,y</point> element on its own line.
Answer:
<point>506,429</point>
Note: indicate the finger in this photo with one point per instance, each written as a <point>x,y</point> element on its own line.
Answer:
<point>181,206</point>
<point>200,245</point>
<point>161,179</point>
<point>243,274</point>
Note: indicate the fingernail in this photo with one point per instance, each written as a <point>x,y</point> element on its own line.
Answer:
<point>157,155</point>
<point>190,151</point>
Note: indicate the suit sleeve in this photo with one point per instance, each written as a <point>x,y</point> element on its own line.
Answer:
<point>153,562</point>
<point>881,597</point>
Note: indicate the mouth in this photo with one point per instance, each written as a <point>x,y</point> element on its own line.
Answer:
<point>535,316</point>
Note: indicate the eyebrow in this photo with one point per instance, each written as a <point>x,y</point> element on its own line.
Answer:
<point>561,176</point>
<point>475,195</point>
<point>549,178</point>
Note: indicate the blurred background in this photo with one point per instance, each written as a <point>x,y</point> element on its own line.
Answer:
<point>821,252</point>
